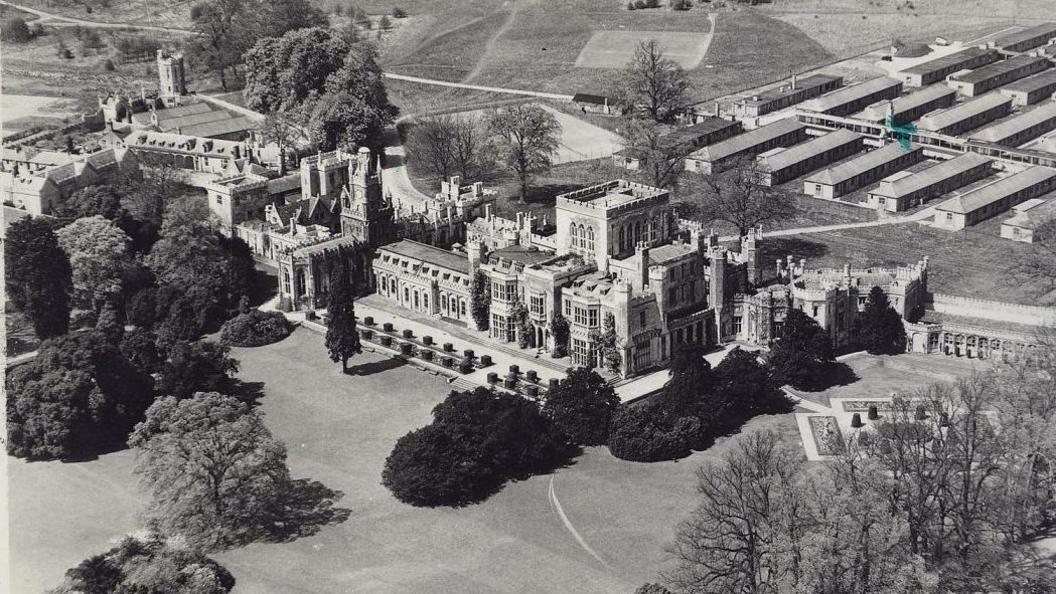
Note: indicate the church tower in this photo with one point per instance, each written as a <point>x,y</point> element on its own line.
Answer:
<point>365,213</point>
<point>170,77</point>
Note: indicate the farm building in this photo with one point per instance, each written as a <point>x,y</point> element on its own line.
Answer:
<point>601,104</point>
<point>1028,217</point>
<point>782,164</point>
<point>910,107</point>
<point>991,76</point>
<point>993,199</point>
<point>713,158</point>
<point>854,98</point>
<point>797,91</point>
<point>709,131</point>
<point>1030,90</point>
<point>906,190</point>
<point>1017,130</point>
<point>967,116</point>
<point>862,171</point>
<point>1021,41</point>
<point>937,70</point>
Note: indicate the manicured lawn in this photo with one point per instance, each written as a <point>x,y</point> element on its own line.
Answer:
<point>338,430</point>
<point>880,375</point>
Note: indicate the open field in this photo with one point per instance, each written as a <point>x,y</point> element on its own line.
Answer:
<point>176,14</point>
<point>971,263</point>
<point>338,430</point>
<point>615,49</point>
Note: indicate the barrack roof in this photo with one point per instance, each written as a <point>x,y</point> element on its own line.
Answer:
<point>1042,30</point>
<point>742,142</point>
<point>939,120</point>
<point>851,93</point>
<point>806,150</point>
<point>907,184</point>
<point>1012,126</point>
<point>859,165</point>
<point>999,68</point>
<point>979,198</point>
<point>947,61</point>
<point>1032,83</point>
<point>808,82</point>
<point>879,110</point>
<point>1032,218</point>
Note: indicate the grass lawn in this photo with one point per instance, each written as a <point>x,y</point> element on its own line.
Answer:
<point>339,430</point>
<point>144,12</point>
<point>971,263</point>
<point>880,375</point>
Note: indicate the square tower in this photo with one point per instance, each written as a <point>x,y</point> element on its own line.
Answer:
<point>171,80</point>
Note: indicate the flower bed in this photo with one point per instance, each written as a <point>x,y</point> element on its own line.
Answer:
<point>827,436</point>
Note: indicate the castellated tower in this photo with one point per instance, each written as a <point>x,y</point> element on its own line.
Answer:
<point>170,76</point>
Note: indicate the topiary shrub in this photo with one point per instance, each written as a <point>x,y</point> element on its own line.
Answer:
<point>427,340</point>
<point>873,414</point>
<point>408,334</point>
<point>386,341</point>
<point>369,320</point>
<point>405,348</point>
<point>466,366</point>
<point>485,360</point>
<point>448,347</point>
<point>493,378</point>
<point>532,375</point>
<point>856,421</point>
<point>920,414</point>
<point>387,326</point>
<point>255,328</point>
<point>426,355</point>
<point>515,369</point>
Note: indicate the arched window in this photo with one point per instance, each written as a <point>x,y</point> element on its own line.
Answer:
<point>384,284</point>
<point>582,236</point>
<point>637,232</point>
<point>573,236</point>
<point>590,239</point>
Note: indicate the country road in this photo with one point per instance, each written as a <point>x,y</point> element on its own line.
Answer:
<point>508,91</point>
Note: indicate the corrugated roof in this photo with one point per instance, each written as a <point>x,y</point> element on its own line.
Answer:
<point>999,68</point>
<point>1032,83</point>
<point>859,165</point>
<point>743,142</point>
<point>1003,130</point>
<point>428,254</point>
<point>1042,30</point>
<point>939,120</point>
<point>878,111</point>
<point>947,61</point>
<point>685,134</point>
<point>810,148</point>
<point>912,183</point>
<point>834,99</point>
<point>976,199</point>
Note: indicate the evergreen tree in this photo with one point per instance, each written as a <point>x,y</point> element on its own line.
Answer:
<point>480,300</point>
<point>607,345</point>
<point>690,380</point>
<point>803,355</point>
<point>342,338</point>
<point>582,407</point>
<point>879,328</point>
<point>39,276</point>
<point>519,313</point>
<point>559,331</point>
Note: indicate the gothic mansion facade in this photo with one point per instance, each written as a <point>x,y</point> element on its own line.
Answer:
<point>616,256</point>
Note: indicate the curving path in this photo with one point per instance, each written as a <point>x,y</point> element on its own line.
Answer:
<point>492,41</point>
<point>55,20</point>
<point>917,217</point>
<point>456,85</point>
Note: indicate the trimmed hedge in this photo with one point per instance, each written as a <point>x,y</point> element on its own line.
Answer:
<point>644,434</point>
<point>255,328</point>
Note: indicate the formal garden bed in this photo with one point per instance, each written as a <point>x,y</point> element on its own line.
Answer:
<point>827,437</point>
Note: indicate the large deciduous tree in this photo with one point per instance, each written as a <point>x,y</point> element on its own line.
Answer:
<point>659,156</point>
<point>879,328</point>
<point>98,253</point>
<point>337,86</point>
<point>738,197</point>
<point>220,36</point>
<point>527,140</point>
<point>38,276</point>
<point>283,130</point>
<point>79,395</point>
<point>342,337</point>
<point>447,145</point>
<point>653,83</point>
<point>802,356</point>
<point>213,469</point>
<point>582,407</point>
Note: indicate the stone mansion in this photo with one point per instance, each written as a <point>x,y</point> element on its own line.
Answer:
<point>615,250</point>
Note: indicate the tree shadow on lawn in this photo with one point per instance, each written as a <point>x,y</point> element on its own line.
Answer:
<point>306,507</point>
<point>839,374</point>
<point>365,369</point>
<point>248,392</point>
